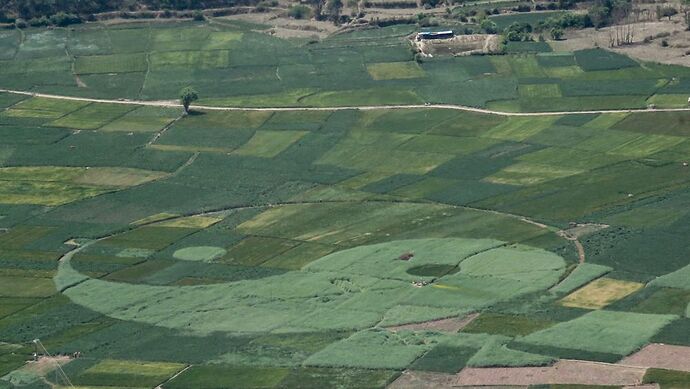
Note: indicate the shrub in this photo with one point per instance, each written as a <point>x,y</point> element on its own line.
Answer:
<point>299,11</point>
<point>519,32</point>
<point>39,22</point>
<point>488,26</point>
<point>62,19</point>
<point>666,12</point>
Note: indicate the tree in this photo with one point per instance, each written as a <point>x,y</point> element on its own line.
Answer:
<point>488,26</point>
<point>332,9</point>
<point>187,96</point>
<point>518,32</point>
<point>557,33</point>
<point>299,11</point>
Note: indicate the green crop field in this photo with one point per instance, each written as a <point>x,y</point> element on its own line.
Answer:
<point>291,231</point>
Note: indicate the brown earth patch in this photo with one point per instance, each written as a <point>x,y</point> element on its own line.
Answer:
<point>563,372</point>
<point>45,364</point>
<point>662,356</point>
<point>459,45</point>
<point>422,380</point>
<point>452,324</point>
<point>675,53</point>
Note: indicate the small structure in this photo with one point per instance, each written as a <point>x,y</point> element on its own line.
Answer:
<point>435,35</point>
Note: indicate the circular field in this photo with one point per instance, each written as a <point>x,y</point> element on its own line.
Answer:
<point>356,288</point>
<point>199,253</point>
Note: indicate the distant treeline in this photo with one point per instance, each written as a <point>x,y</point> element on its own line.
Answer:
<point>70,11</point>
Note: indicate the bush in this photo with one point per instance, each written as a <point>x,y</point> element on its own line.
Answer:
<point>488,26</point>
<point>519,32</point>
<point>666,12</point>
<point>20,23</point>
<point>522,8</point>
<point>62,19</point>
<point>198,15</point>
<point>299,11</point>
<point>39,22</point>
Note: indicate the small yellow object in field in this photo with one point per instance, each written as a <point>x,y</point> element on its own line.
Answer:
<point>600,293</point>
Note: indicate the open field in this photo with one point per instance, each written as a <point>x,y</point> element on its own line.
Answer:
<point>354,245</point>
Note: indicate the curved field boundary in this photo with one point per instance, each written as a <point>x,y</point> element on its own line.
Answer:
<point>173,104</point>
<point>66,257</point>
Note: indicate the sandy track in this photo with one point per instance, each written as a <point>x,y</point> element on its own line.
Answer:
<point>663,356</point>
<point>562,372</point>
<point>171,103</point>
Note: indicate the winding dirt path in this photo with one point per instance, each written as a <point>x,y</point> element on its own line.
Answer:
<point>175,104</point>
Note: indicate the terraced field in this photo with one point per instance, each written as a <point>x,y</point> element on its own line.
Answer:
<point>337,247</point>
<point>237,64</point>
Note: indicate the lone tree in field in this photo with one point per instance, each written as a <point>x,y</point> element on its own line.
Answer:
<point>187,96</point>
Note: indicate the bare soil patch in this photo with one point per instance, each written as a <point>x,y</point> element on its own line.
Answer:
<point>45,365</point>
<point>662,356</point>
<point>382,14</point>
<point>678,41</point>
<point>460,45</point>
<point>285,27</point>
<point>422,380</point>
<point>452,324</point>
<point>563,372</point>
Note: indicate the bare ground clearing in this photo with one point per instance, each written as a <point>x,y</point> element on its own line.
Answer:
<point>678,42</point>
<point>422,380</point>
<point>45,364</point>
<point>452,324</point>
<point>460,45</point>
<point>284,27</point>
<point>562,372</point>
<point>663,356</point>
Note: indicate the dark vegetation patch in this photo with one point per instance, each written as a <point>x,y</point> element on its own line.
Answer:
<point>433,270</point>
<point>509,325</point>
<point>564,353</point>
<point>444,359</point>
<point>667,378</point>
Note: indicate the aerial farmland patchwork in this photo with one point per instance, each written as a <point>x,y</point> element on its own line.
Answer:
<point>339,203</point>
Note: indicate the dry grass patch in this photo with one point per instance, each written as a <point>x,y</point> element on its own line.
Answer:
<point>192,222</point>
<point>154,218</point>
<point>600,293</point>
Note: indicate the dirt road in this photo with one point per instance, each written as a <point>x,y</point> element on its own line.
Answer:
<point>172,103</point>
